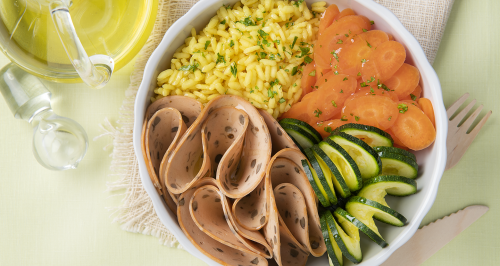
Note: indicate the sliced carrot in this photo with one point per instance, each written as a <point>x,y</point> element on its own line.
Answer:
<point>299,110</point>
<point>308,78</point>
<point>413,128</point>
<point>322,79</point>
<point>358,48</point>
<point>337,35</point>
<point>320,72</point>
<point>346,12</point>
<point>366,91</point>
<point>324,128</point>
<point>397,142</point>
<point>414,95</point>
<point>384,62</point>
<point>373,110</point>
<point>426,106</point>
<point>412,102</point>
<point>330,13</point>
<point>404,81</point>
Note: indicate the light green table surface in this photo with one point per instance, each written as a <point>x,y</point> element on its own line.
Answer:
<point>60,218</point>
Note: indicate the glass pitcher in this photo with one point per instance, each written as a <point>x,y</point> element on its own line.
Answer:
<point>74,40</point>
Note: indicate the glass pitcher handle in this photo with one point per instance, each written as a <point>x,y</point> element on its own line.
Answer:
<point>96,70</point>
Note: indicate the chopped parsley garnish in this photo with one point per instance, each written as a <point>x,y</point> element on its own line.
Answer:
<point>277,41</point>
<point>223,22</point>
<point>340,41</point>
<point>364,30</point>
<point>372,22</point>
<point>317,113</point>
<point>262,33</point>
<point>298,2</point>
<point>313,73</point>
<point>341,91</point>
<point>274,82</point>
<point>413,97</point>
<point>192,67</point>
<point>220,59</point>
<point>231,44</point>
<point>390,117</point>
<point>345,79</point>
<point>347,35</point>
<point>272,57</point>
<point>363,84</point>
<point>271,93</point>
<point>308,59</point>
<point>335,55</point>
<point>328,129</point>
<point>356,118</point>
<point>343,118</point>
<point>371,90</point>
<point>363,60</point>
<point>259,19</point>
<point>303,51</point>
<point>359,73</point>
<point>370,80</point>
<point>369,45</point>
<point>294,71</point>
<point>234,69</point>
<point>402,108</point>
<point>282,100</point>
<point>227,7</point>
<point>336,72</point>
<point>294,41</point>
<point>247,21</point>
<point>334,104</point>
<point>263,55</point>
<point>207,43</point>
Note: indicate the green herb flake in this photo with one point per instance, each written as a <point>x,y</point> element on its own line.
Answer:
<point>308,60</point>
<point>390,117</point>
<point>359,73</point>
<point>341,91</point>
<point>363,84</point>
<point>364,30</point>
<point>402,108</point>
<point>207,43</point>
<point>371,90</point>
<point>345,79</point>
<point>277,41</point>
<point>369,45</point>
<point>335,55</point>
<point>294,41</point>
<point>343,118</point>
<point>247,21</point>
<point>262,33</point>
<point>282,100</point>
<point>294,71</point>
<point>303,51</point>
<point>231,44</point>
<point>328,129</point>
<point>413,97</point>
<point>234,69</point>
<point>263,55</point>
<point>223,22</point>
<point>334,104</point>
<point>372,22</point>
<point>347,35</point>
<point>340,41</point>
<point>259,19</point>
<point>298,3</point>
<point>313,73</point>
<point>363,60</point>
<point>220,59</point>
<point>317,113</point>
<point>192,67</point>
<point>356,118</point>
<point>336,72</point>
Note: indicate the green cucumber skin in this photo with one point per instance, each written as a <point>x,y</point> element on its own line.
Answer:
<point>360,143</point>
<point>328,244</point>
<point>379,206</point>
<point>395,150</point>
<point>390,178</point>
<point>362,227</point>
<point>376,130</point>
<point>334,170</point>
<point>319,172</point>
<point>349,159</point>
<point>340,242</point>
<point>402,159</point>
<point>315,187</point>
<point>303,125</point>
<point>290,129</point>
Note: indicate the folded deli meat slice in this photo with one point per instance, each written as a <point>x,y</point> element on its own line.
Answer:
<point>164,130</point>
<point>279,138</point>
<point>286,250</point>
<point>251,211</point>
<point>285,167</point>
<point>196,226</point>
<point>189,161</point>
<point>189,109</point>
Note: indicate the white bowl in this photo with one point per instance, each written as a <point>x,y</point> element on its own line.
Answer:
<point>431,161</point>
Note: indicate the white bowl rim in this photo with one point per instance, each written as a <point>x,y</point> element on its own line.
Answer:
<point>165,214</point>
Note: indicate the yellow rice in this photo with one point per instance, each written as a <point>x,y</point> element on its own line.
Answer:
<point>251,50</point>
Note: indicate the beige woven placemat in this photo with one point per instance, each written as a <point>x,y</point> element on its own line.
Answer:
<point>425,19</point>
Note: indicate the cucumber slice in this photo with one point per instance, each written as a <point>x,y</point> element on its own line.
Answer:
<point>303,139</point>
<point>396,164</point>
<point>347,242</point>
<point>370,135</point>
<point>325,184</point>
<point>365,210</point>
<point>331,172</point>
<point>332,249</point>
<point>344,163</point>
<point>366,157</point>
<point>396,150</point>
<point>376,188</point>
<point>305,126</point>
<point>347,220</point>
<point>313,180</point>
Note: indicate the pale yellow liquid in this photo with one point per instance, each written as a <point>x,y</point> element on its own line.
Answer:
<point>117,28</point>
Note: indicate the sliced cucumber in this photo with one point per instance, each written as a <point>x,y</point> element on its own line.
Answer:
<point>347,242</point>
<point>365,210</point>
<point>331,172</point>
<point>344,163</point>
<point>397,164</point>
<point>325,184</point>
<point>333,250</point>
<point>366,157</point>
<point>395,150</point>
<point>376,188</point>
<point>305,126</point>
<point>303,139</point>
<point>347,220</point>
<point>370,135</point>
<point>313,180</point>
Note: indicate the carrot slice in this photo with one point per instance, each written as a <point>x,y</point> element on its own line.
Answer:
<point>414,95</point>
<point>404,81</point>
<point>320,72</point>
<point>308,78</point>
<point>346,12</point>
<point>322,79</point>
<point>397,142</point>
<point>384,62</point>
<point>337,35</point>
<point>413,128</point>
<point>324,128</point>
<point>373,110</point>
<point>367,91</point>
<point>426,106</point>
<point>358,48</point>
<point>330,13</point>
<point>412,102</point>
